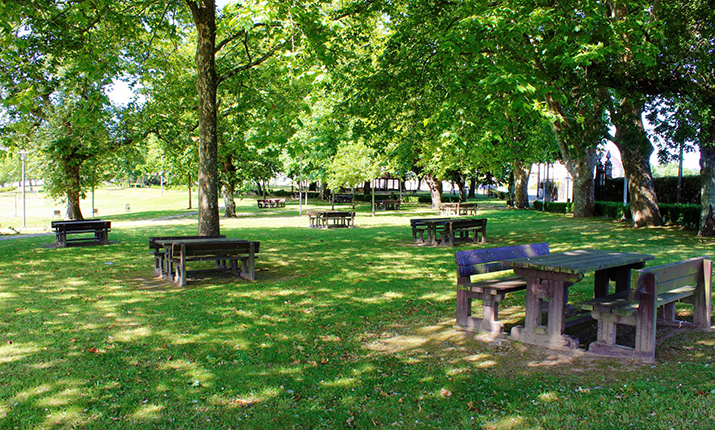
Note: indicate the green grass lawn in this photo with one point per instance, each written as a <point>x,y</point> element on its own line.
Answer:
<point>343,328</point>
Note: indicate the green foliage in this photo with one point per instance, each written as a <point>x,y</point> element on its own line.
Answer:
<point>684,215</point>
<point>555,207</point>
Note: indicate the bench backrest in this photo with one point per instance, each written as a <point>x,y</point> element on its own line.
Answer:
<point>243,247</point>
<point>479,261</point>
<point>695,272</point>
<point>153,244</point>
<point>420,221</point>
<point>339,214</point>
<point>81,225</point>
<point>471,222</point>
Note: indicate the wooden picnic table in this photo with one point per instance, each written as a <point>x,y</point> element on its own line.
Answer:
<point>343,198</point>
<point>328,219</point>
<point>460,208</point>
<point>450,231</point>
<point>225,252</point>
<point>271,203</point>
<point>548,278</point>
<point>388,205</point>
<point>99,229</point>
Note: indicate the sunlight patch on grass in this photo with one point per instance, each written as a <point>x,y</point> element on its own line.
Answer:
<point>508,423</point>
<point>481,361</point>
<point>548,397</point>
<point>67,396</point>
<point>15,352</point>
<point>133,334</point>
<point>148,412</point>
<point>339,383</point>
<point>68,417</point>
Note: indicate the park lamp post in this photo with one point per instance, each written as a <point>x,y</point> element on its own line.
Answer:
<point>23,156</point>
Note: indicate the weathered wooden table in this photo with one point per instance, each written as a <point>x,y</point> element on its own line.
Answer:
<point>225,252</point>
<point>328,219</point>
<point>549,276</point>
<point>99,229</point>
<point>388,205</point>
<point>460,208</point>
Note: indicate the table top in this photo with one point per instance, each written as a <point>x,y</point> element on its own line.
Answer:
<point>204,240</point>
<point>579,261</point>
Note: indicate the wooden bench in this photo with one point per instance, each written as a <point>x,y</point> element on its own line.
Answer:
<point>271,203</point>
<point>456,231</point>
<point>329,219</point>
<point>99,229</point>
<point>460,208</point>
<point>161,266</point>
<point>489,291</point>
<point>420,226</point>
<point>226,255</point>
<point>656,288</point>
<point>343,198</point>
<point>388,205</point>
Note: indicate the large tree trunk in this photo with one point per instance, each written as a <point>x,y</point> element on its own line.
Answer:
<point>204,13</point>
<point>435,188</point>
<point>581,170</point>
<point>521,185</point>
<point>72,169</point>
<point>707,175</point>
<point>636,149</point>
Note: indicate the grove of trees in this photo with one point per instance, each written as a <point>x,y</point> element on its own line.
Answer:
<point>230,95</point>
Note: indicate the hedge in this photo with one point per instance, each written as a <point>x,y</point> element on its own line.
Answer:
<point>687,215</point>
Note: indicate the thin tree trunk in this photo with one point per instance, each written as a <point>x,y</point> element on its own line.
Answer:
<point>521,185</point>
<point>228,200</point>
<point>72,169</point>
<point>435,187</point>
<point>707,175</point>
<point>204,13</point>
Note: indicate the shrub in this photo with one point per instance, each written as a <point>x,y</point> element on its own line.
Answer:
<point>686,215</point>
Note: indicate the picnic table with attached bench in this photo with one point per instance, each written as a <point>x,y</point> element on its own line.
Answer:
<point>388,205</point>
<point>459,208</point>
<point>225,252</point>
<point>475,262</point>
<point>548,278</point>
<point>271,203</point>
<point>656,287</point>
<point>159,251</point>
<point>343,198</point>
<point>328,219</point>
<point>461,230</point>
<point>99,229</point>
<point>420,226</point>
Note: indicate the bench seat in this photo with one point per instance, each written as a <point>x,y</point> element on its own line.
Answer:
<point>226,255</point>
<point>489,291</point>
<point>652,303</point>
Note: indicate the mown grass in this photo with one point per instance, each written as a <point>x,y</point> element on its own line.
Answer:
<point>345,328</point>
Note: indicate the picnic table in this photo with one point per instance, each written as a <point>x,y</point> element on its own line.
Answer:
<point>225,252</point>
<point>548,278</point>
<point>390,205</point>
<point>271,203</point>
<point>449,231</point>
<point>329,219</point>
<point>97,227</point>
<point>460,208</point>
<point>343,198</point>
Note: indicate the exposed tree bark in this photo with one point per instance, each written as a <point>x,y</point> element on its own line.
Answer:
<point>204,13</point>
<point>707,175</point>
<point>228,200</point>
<point>632,141</point>
<point>521,185</point>
<point>72,170</point>
<point>472,187</point>
<point>435,187</point>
